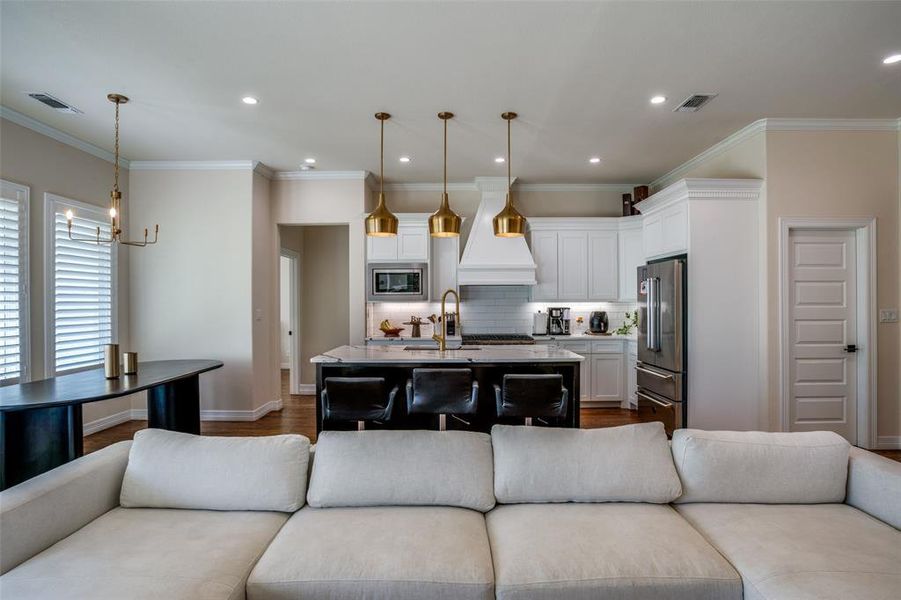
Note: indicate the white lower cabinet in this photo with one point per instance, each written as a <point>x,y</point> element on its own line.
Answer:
<point>631,375</point>
<point>606,377</point>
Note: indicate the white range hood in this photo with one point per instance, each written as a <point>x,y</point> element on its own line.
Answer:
<point>491,260</point>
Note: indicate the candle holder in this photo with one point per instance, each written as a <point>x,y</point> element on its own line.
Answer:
<point>130,363</point>
<point>111,361</point>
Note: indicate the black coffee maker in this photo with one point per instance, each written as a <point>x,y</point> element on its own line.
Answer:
<point>598,322</point>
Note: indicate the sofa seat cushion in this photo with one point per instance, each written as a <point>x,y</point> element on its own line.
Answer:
<point>592,551</point>
<point>820,551</point>
<point>393,553</point>
<point>141,553</point>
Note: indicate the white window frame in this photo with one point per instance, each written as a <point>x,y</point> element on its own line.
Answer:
<point>23,194</point>
<point>54,203</point>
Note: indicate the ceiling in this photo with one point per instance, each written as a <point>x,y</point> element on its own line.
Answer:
<point>579,74</point>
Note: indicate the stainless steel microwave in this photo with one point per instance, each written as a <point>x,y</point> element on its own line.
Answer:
<point>397,282</point>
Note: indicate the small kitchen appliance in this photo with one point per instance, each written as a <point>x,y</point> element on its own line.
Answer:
<point>398,282</point>
<point>558,320</point>
<point>598,322</point>
<point>539,325</point>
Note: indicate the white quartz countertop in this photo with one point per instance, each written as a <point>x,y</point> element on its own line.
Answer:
<point>470,354</point>
<point>583,336</point>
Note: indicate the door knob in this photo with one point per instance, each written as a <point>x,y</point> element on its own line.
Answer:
<point>850,348</point>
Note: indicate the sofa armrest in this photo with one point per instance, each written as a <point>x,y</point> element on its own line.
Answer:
<point>39,512</point>
<point>874,486</point>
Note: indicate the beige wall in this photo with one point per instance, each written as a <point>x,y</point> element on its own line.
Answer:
<point>191,293</point>
<point>324,293</point>
<point>842,174</point>
<point>45,165</point>
<point>744,160</point>
<point>264,296</point>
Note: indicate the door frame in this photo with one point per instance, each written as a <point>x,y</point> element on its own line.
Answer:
<point>865,233</point>
<point>294,319</point>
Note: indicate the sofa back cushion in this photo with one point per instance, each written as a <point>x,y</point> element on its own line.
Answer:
<point>402,468</point>
<point>167,469</point>
<point>759,467</point>
<point>617,464</point>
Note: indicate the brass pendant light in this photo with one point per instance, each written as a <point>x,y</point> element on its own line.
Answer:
<point>115,211</point>
<point>509,222</point>
<point>381,222</point>
<point>444,222</point>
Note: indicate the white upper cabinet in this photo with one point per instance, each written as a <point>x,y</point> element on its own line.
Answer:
<point>603,250</point>
<point>573,265</point>
<point>443,267</point>
<point>666,231</point>
<point>631,256</point>
<point>411,244</point>
<point>544,252</point>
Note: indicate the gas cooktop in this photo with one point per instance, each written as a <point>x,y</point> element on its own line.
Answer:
<point>497,339</point>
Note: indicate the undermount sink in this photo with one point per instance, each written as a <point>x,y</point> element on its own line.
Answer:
<point>435,348</point>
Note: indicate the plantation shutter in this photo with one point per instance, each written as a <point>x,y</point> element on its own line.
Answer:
<point>13,279</point>
<point>83,291</point>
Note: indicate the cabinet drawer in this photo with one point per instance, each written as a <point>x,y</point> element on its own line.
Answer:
<point>606,346</point>
<point>577,346</point>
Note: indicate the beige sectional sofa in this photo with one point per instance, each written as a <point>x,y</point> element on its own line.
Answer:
<point>526,513</point>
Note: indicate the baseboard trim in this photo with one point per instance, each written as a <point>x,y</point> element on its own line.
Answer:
<point>307,389</point>
<point>888,442</point>
<point>140,414</point>
<point>285,366</point>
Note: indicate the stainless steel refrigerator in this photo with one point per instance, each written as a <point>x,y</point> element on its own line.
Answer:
<point>661,368</point>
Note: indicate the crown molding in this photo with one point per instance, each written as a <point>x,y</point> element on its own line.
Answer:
<point>60,136</point>
<point>702,189</point>
<point>521,187</point>
<point>775,124</point>
<point>193,165</point>
<point>262,169</point>
<point>321,175</point>
<point>576,187</point>
<point>430,187</point>
<point>492,184</point>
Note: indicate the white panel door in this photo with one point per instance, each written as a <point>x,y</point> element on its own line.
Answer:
<point>603,250</point>
<point>544,251</point>
<point>572,261</point>
<point>822,323</point>
<point>631,256</point>
<point>607,377</point>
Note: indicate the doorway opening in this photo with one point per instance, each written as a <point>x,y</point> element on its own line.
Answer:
<point>289,316</point>
<point>827,343</point>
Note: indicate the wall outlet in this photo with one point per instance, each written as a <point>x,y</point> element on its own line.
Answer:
<point>888,315</point>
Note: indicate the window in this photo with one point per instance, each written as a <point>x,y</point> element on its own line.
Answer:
<point>13,283</point>
<point>81,287</point>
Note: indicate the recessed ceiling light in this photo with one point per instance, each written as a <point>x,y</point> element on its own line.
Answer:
<point>594,160</point>
<point>310,161</point>
<point>249,100</point>
<point>500,159</point>
<point>890,60</point>
<point>658,99</point>
<point>404,159</point>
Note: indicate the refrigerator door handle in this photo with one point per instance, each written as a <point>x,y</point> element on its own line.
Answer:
<point>654,373</point>
<point>653,312</point>
<point>659,403</point>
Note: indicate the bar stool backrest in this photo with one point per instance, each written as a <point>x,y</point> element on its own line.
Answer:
<point>356,399</point>
<point>532,396</point>
<point>443,391</point>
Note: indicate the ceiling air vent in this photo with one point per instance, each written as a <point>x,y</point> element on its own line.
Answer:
<point>54,103</point>
<point>694,102</point>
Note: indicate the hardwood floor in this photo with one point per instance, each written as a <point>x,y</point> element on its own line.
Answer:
<point>299,416</point>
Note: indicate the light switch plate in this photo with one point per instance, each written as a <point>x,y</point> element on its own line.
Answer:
<point>888,315</point>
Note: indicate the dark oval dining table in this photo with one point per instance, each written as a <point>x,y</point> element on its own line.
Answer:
<point>41,421</point>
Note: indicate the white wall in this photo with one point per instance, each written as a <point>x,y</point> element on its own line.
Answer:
<point>46,165</point>
<point>192,293</point>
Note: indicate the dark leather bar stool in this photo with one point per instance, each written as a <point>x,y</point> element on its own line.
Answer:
<point>443,392</point>
<point>532,397</point>
<point>357,399</point>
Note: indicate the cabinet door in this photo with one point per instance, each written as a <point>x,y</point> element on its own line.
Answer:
<point>675,229</point>
<point>607,377</point>
<point>544,251</point>
<point>572,265</point>
<point>413,243</point>
<point>631,256</point>
<point>602,265</point>
<point>585,379</point>
<point>652,233</point>
<point>381,249</point>
<point>631,379</point>
<point>443,266</point>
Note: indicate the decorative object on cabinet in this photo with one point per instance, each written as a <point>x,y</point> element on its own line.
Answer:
<point>639,193</point>
<point>115,211</point>
<point>416,323</point>
<point>381,221</point>
<point>444,222</point>
<point>628,209</point>
<point>509,222</point>
<point>580,321</point>
<point>388,329</point>
<point>629,324</point>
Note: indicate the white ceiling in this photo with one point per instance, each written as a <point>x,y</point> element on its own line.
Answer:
<point>579,74</point>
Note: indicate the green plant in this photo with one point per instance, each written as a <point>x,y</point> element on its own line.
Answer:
<point>630,322</point>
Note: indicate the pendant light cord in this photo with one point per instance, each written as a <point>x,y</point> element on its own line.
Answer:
<point>445,157</point>
<point>381,157</point>
<point>509,200</point>
<point>116,170</point>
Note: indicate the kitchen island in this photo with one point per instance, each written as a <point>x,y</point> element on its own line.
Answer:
<point>489,364</point>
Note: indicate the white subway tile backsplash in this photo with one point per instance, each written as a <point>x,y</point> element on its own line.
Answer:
<point>492,309</point>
